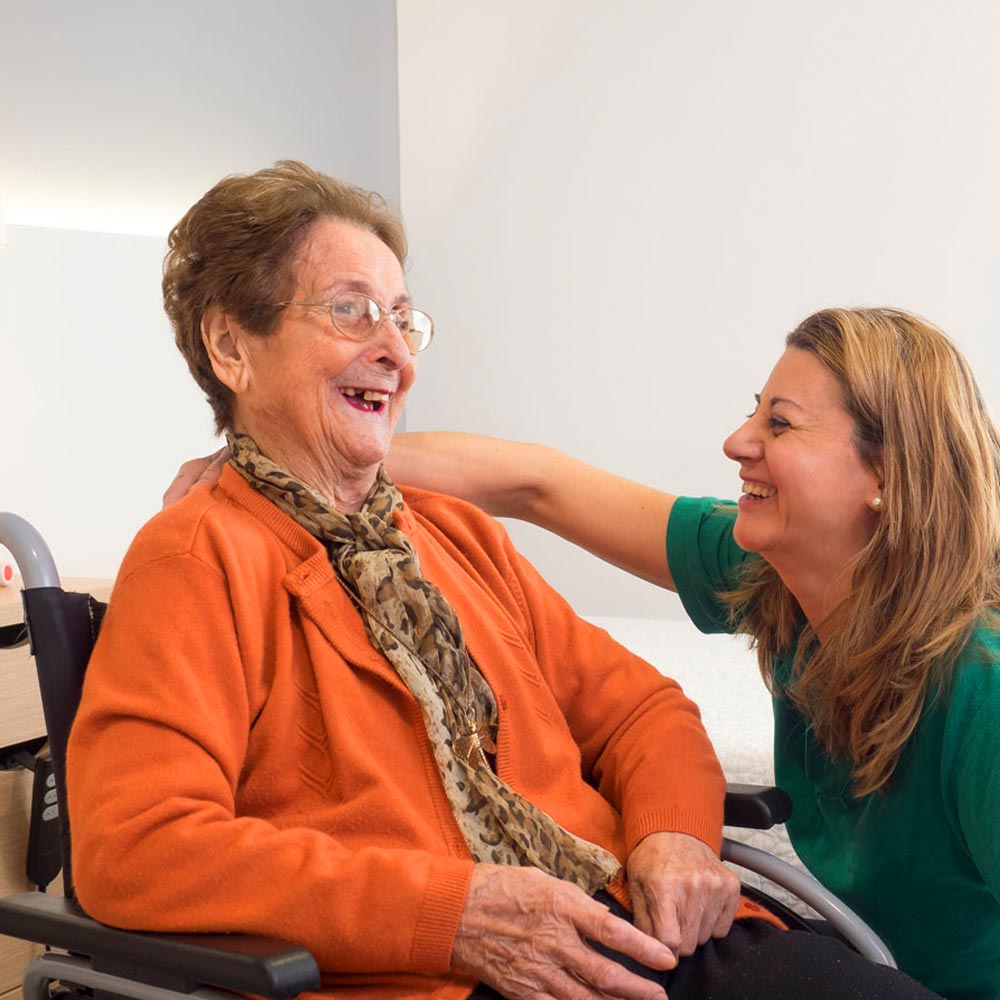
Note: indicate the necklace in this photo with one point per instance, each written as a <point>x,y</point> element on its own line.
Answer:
<point>472,744</point>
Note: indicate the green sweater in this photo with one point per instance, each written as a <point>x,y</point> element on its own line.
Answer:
<point>920,860</point>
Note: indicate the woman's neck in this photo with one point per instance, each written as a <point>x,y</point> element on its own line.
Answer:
<point>819,594</point>
<point>344,488</point>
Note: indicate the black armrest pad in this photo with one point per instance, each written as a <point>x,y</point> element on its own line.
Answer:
<point>756,807</point>
<point>264,966</point>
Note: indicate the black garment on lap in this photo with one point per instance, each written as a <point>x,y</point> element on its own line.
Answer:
<point>757,960</point>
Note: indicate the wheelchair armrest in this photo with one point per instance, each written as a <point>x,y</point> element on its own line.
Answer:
<point>835,911</point>
<point>756,807</point>
<point>263,966</point>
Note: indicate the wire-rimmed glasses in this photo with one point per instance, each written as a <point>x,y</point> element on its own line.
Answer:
<point>357,316</point>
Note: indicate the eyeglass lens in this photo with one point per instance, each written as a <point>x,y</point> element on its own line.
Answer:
<point>357,316</point>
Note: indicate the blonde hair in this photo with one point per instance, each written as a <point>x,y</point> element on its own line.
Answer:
<point>931,571</point>
<point>236,247</point>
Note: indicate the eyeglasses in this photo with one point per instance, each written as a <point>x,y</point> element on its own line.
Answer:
<point>357,317</point>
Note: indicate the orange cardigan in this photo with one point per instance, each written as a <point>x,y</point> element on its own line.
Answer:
<point>244,760</point>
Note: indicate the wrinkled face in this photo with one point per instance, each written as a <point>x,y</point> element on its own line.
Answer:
<point>807,494</point>
<point>321,405</point>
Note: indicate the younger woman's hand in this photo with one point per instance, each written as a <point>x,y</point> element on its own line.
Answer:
<point>193,473</point>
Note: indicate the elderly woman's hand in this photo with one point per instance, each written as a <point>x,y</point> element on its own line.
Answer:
<point>193,473</point>
<point>522,932</point>
<point>682,894</point>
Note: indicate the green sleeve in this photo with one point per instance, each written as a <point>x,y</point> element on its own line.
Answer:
<point>975,771</point>
<point>703,558</point>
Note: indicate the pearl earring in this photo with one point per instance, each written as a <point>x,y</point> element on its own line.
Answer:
<point>877,504</point>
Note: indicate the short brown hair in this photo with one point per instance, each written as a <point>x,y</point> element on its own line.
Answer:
<point>235,248</point>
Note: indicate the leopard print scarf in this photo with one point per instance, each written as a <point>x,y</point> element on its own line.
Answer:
<point>417,630</point>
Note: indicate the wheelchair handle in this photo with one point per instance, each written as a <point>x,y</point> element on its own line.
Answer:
<point>32,555</point>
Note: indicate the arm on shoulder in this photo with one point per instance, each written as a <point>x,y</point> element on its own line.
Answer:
<point>617,519</point>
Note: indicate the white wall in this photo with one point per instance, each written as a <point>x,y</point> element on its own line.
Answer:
<point>116,117</point>
<point>617,211</point>
<point>98,406</point>
<point>118,114</point>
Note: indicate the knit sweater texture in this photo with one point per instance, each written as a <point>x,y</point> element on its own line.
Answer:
<point>244,760</point>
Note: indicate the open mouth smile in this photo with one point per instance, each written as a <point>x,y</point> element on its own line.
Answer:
<point>368,400</point>
<point>757,491</point>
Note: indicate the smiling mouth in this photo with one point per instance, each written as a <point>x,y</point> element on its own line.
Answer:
<point>757,491</point>
<point>369,400</point>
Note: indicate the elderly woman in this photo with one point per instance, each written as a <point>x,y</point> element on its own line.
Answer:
<point>863,560</point>
<point>356,719</point>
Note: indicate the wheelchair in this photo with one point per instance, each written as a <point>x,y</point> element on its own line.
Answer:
<point>85,958</point>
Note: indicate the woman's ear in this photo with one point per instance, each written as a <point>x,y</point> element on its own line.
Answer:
<point>225,341</point>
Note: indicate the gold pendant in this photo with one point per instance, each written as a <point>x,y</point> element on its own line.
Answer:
<point>485,740</point>
<point>471,747</point>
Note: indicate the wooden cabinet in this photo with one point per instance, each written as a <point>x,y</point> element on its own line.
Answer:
<point>20,720</point>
